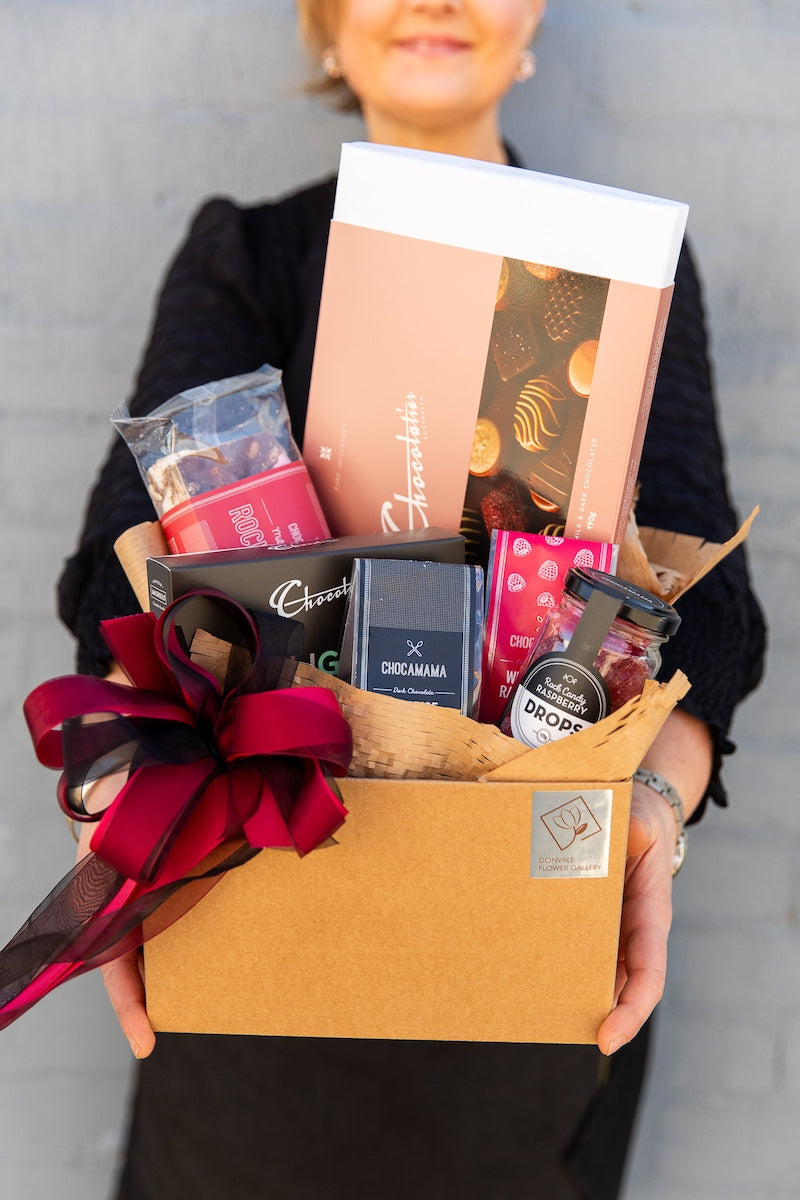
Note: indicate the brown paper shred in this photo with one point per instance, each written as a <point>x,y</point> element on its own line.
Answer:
<point>692,556</point>
<point>397,739</point>
<point>211,653</point>
<point>133,548</point>
<point>669,564</point>
<point>670,583</point>
<point>612,749</point>
<point>632,561</point>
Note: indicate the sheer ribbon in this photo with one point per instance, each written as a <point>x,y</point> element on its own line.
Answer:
<point>184,777</point>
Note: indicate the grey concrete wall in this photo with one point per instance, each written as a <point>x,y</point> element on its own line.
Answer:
<point>116,118</point>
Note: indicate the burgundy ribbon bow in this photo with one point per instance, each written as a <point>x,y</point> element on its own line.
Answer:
<point>171,769</point>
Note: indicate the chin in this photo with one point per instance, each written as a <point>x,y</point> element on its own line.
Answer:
<point>434,104</point>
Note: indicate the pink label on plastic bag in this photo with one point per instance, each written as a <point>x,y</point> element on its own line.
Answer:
<point>276,508</point>
<point>525,579</point>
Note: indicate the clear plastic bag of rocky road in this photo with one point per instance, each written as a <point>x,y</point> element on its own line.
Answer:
<point>222,467</point>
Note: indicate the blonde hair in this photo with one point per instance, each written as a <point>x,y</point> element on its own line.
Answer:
<point>318,22</point>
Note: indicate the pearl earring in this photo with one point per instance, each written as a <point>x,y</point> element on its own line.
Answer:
<point>330,64</point>
<point>527,66</point>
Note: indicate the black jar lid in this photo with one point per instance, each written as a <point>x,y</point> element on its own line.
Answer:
<point>637,606</point>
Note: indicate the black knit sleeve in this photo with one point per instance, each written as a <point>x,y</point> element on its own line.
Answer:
<point>214,318</point>
<point>721,642</point>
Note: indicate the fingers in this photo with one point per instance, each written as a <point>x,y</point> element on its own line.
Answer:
<point>647,823</point>
<point>125,988</point>
<point>642,976</point>
<point>124,985</point>
<point>646,920</point>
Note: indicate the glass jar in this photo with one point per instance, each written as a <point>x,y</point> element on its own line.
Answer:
<point>594,653</point>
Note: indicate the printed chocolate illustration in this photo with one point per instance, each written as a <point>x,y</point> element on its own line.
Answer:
<point>536,388</point>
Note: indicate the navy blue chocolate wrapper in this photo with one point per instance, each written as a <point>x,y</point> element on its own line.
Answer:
<point>414,630</point>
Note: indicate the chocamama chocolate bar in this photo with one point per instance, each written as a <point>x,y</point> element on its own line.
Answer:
<point>414,631</point>
<point>487,345</point>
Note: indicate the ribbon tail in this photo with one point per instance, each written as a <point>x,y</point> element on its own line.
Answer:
<point>92,916</point>
<point>38,957</point>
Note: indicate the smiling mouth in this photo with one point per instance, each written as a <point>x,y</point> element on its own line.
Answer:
<point>432,46</point>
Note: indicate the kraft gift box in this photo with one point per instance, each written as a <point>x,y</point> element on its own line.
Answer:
<point>488,343</point>
<point>483,909</point>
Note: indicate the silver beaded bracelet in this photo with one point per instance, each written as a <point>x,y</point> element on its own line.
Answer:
<point>659,784</point>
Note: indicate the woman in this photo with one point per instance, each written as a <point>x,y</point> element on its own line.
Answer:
<point>242,1117</point>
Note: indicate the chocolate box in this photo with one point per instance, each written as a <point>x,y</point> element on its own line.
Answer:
<point>488,342</point>
<point>306,583</point>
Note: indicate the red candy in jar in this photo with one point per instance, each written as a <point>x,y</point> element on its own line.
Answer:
<point>594,653</point>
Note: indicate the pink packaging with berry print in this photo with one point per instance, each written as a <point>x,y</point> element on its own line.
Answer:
<point>524,581</point>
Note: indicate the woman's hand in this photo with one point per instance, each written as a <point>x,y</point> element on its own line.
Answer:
<point>123,978</point>
<point>682,753</point>
<point>646,918</point>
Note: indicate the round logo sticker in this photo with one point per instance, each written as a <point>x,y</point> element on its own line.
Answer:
<point>557,697</point>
